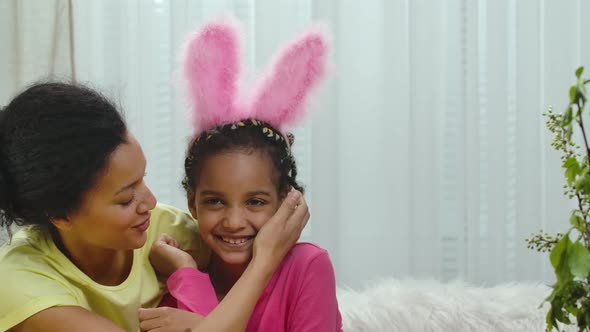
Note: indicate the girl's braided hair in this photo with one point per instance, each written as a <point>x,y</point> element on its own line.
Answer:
<point>248,135</point>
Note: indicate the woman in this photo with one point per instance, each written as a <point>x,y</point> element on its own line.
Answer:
<point>72,172</point>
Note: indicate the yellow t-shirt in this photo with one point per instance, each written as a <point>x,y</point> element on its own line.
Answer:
<point>36,275</point>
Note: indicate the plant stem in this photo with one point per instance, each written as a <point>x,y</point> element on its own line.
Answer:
<point>585,218</point>
<point>581,123</point>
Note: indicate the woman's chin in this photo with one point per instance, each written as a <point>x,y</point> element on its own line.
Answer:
<point>137,241</point>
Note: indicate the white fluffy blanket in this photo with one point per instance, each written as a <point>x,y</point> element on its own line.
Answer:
<point>430,306</point>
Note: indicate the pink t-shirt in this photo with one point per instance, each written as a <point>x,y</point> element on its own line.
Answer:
<point>300,297</point>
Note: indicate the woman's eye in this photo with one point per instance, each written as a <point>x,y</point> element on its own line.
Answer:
<point>129,201</point>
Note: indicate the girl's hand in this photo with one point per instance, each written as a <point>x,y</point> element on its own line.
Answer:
<point>166,319</point>
<point>167,258</point>
<point>281,232</point>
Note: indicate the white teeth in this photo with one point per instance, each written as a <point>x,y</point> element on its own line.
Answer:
<point>234,241</point>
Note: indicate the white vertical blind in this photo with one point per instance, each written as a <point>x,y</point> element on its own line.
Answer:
<point>426,155</point>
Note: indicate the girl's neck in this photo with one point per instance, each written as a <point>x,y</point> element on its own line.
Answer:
<point>224,276</point>
<point>107,267</point>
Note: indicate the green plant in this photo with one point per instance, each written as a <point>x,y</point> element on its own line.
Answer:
<point>570,297</point>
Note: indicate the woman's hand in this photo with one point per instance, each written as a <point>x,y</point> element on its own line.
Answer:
<point>281,232</point>
<point>167,258</point>
<point>166,319</point>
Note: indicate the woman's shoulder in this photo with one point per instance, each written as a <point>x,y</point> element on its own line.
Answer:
<point>31,255</point>
<point>163,210</point>
<point>27,242</point>
<point>34,277</point>
<point>30,261</point>
<point>166,219</point>
<point>170,220</point>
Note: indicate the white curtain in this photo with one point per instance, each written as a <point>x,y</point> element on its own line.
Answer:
<point>426,155</point>
<point>36,43</point>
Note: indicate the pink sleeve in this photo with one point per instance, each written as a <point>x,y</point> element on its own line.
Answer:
<point>316,308</point>
<point>193,290</point>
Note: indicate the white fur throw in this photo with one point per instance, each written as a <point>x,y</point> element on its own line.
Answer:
<point>430,306</point>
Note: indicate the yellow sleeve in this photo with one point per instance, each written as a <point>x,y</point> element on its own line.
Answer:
<point>182,227</point>
<point>27,291</point>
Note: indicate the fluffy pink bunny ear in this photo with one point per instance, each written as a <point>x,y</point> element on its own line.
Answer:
<point>280,98</point>
<point>211,67</point>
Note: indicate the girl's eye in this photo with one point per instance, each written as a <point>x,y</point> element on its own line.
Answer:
<point>213,201</point>
<point>256,202</point>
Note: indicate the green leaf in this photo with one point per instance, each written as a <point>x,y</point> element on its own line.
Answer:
<point>559,249</point>
<point>586,320</point>
<point>559,260</point>
<point>550,319</point>
<point>581,92</point>
<point>579,71</point>
<point>577,222</point>
<point>583,183</point>
<point>569,132</point>
<point>572,169</point>
<point>568,116</point>
<point>553,294</point>
<point>561,314</point>
<point>571,162</point>
<point>573,94</point>
<point>578,260</point>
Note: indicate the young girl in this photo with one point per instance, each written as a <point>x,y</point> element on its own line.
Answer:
<point>239,168</point>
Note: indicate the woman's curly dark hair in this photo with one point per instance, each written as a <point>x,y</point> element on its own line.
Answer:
<point>55,140</point>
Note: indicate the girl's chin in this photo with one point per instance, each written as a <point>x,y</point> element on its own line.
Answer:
<point>235,258</point>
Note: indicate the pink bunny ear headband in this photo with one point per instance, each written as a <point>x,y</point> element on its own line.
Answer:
<point>211,68</point>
